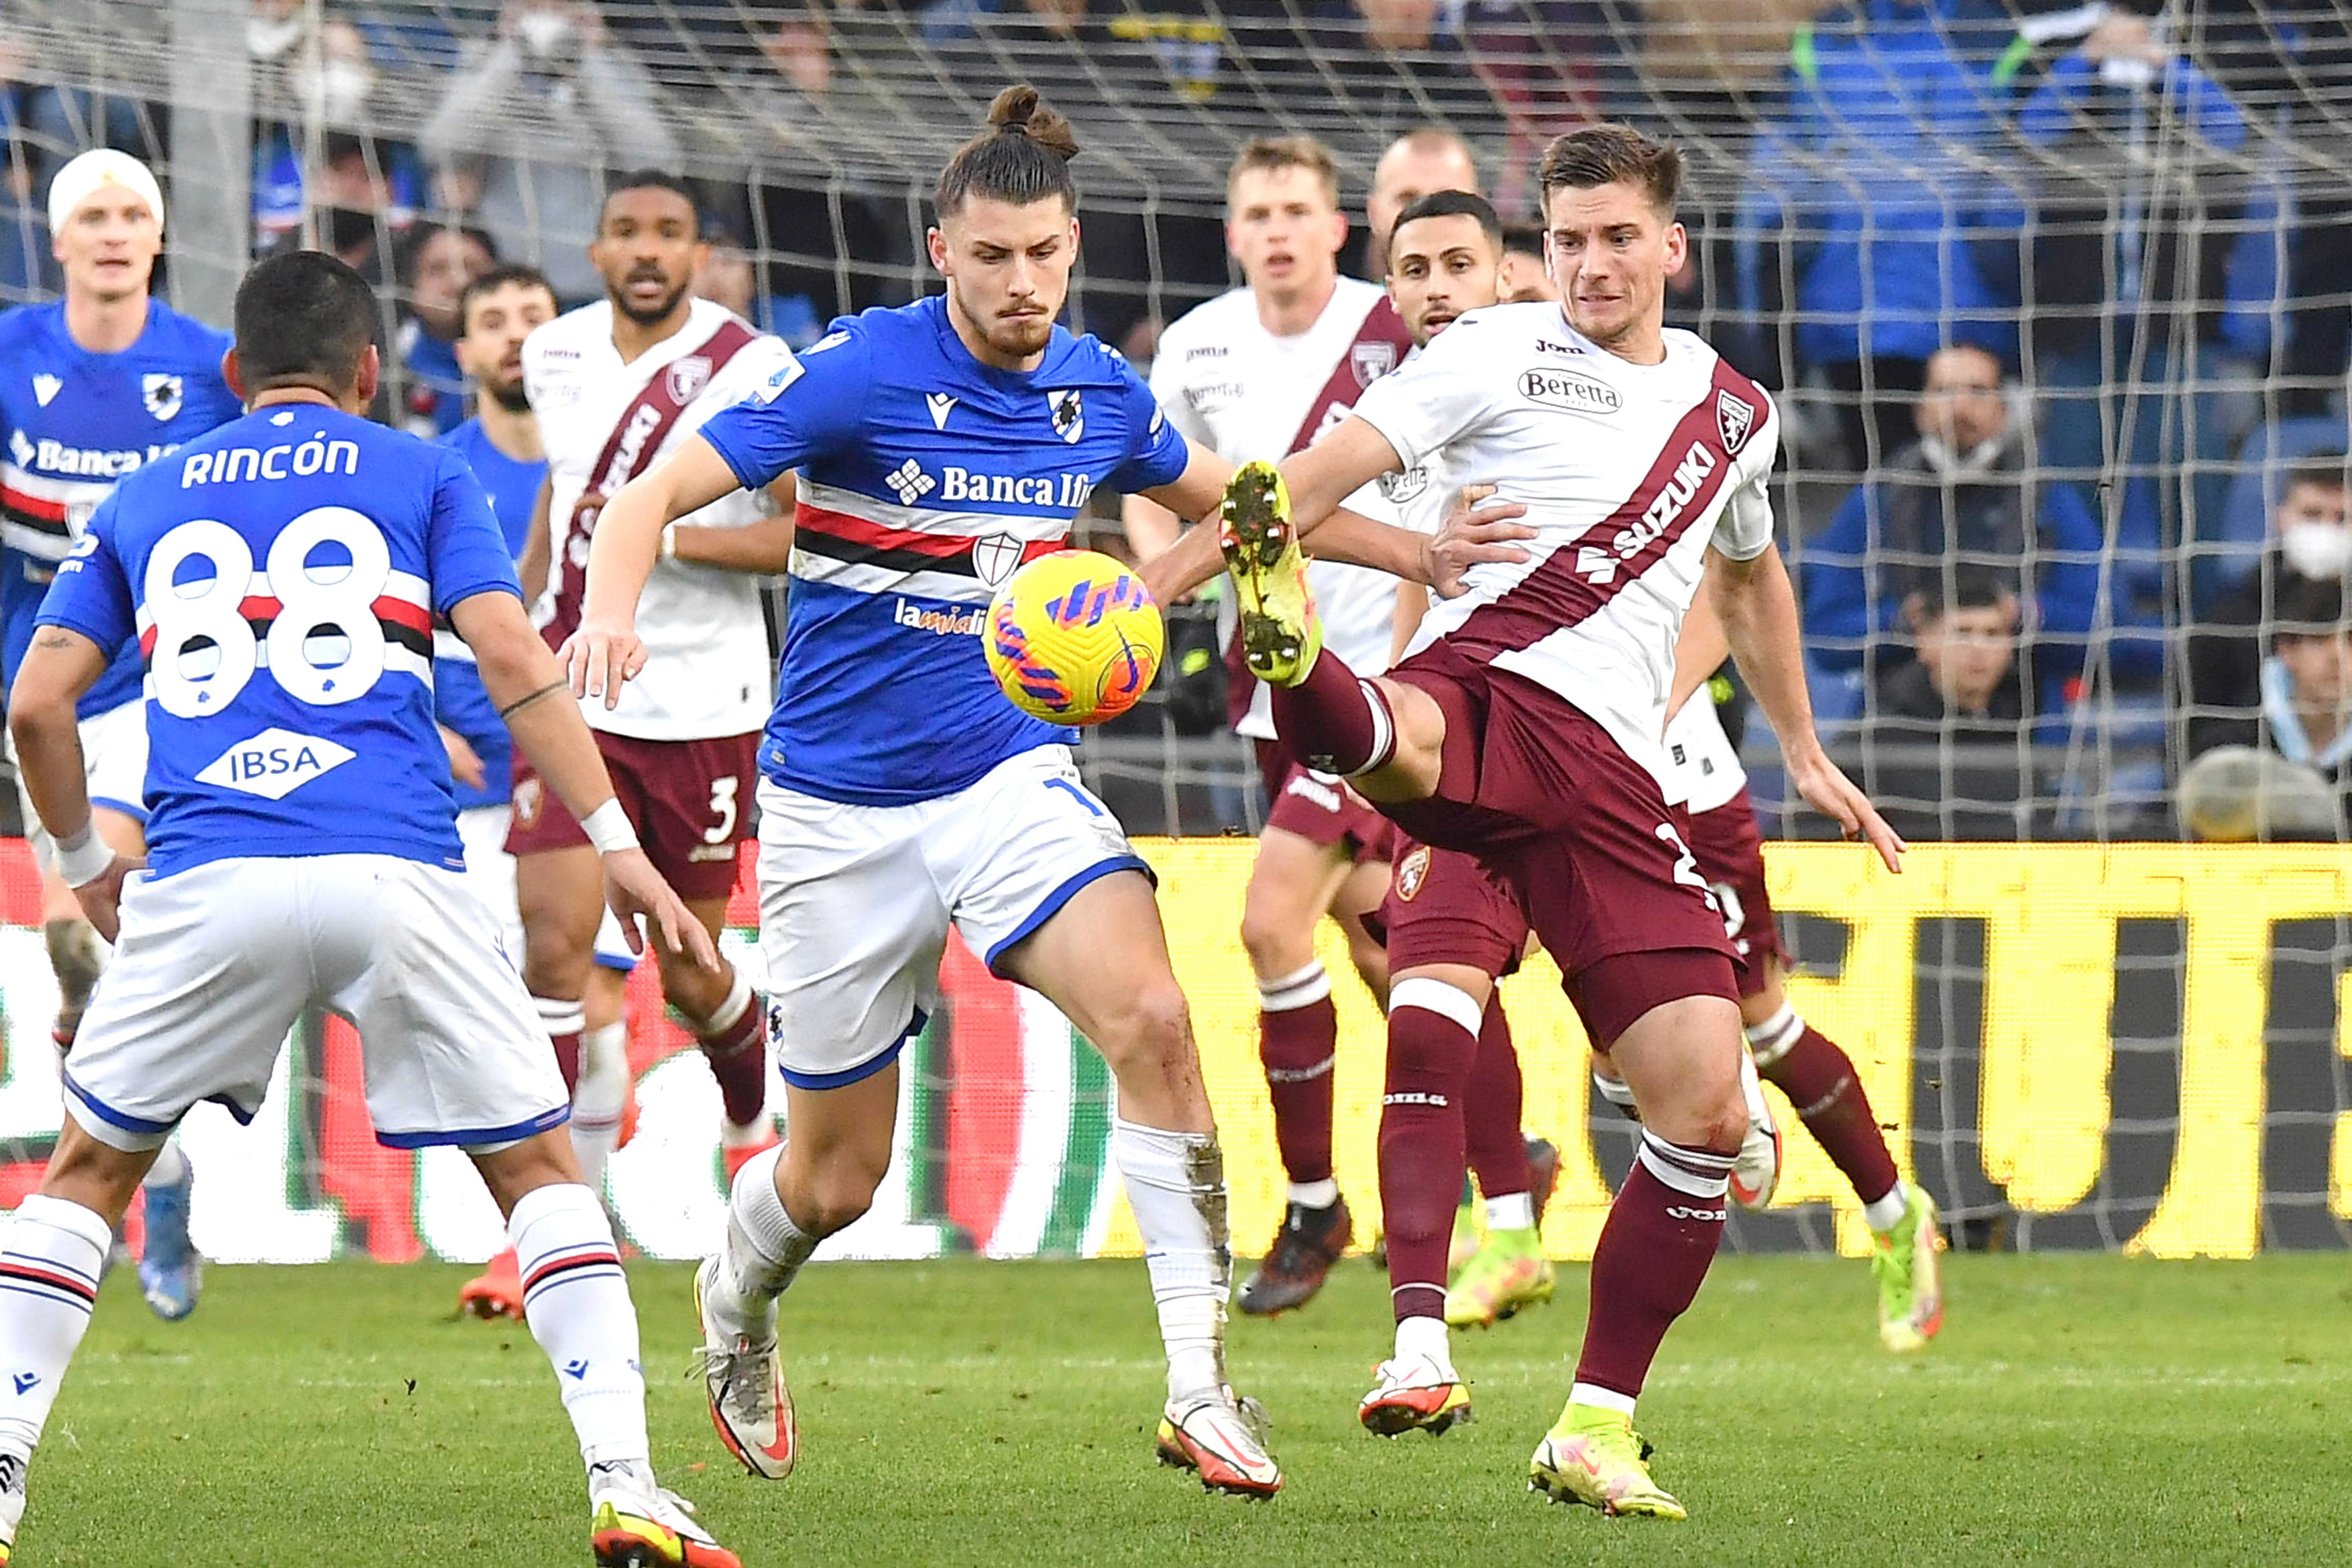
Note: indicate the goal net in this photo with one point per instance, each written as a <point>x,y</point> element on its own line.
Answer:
<point>2054,302</point>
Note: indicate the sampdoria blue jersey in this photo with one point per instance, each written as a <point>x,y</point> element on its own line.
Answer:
<point>281,577</point>
<point>926,479</point>
<point>71,423</point>
<point>458,699</point>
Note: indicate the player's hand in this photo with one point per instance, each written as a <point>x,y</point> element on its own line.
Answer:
<point>634,889</point>
<point>465,763</point>
<point>1828,791</point>
<point>600,659</point>
<point>1478,529</point>
<point>102,898</point>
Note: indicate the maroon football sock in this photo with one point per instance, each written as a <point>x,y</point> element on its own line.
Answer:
<point>565,1022</point>
<point>1429,1069</point>
<point>734,1046</point>
<point>1499,1150</point>
<point>1298,1042</point>
<point>1820,1081</point>
<point>1654,1251</point>
<point>1334,722</point>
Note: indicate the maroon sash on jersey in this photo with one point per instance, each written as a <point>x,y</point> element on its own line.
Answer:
<point>1379,346</point>
<point>637,436</point>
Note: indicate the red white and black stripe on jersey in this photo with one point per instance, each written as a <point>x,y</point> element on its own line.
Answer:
<point>402,611</point>
<point>35,509</point>
<point>590,1261</point>
<point>1563,590</point>
<point>855,542</point>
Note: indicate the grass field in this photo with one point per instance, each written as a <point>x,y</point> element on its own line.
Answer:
<point>2077,1409</point>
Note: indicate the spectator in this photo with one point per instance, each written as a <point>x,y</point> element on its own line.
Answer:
<point>1965,682</point>
<point>2292,782</point>
<point>441,260</point>
<point>1963,497</point>
<point>528,125</point>
<point>367,189</point>
<point>2137,209</point>
<point>1873,174</point>
<point>1525,275</point>
<point>1537,56</point>
<point>2311,539</point>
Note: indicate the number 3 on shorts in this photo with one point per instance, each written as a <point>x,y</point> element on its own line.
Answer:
<point>1686,867</point>
<point>722,807</point>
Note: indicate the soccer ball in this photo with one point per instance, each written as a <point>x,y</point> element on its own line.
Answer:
<point>1073,638</point>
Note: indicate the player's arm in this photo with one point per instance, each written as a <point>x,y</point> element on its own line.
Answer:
<point>56,669</point>
<point>1757,609</point>
<point>539,546</point>
<point>605,652</point>
<point>1412,605</point>
<point>534,702</point>
<point>1698,653</point>
<point>761,548</point>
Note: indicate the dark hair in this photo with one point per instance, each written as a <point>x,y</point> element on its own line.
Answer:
<point>652,180</point>
<point>1527,241</point>
<point>412,245</point>
<point>2308,607</point>
<point>1451,203</point>
<point>1966,589</point>
<point>2320,470</point>
<point>498,278</point>
<point>304,318</point>
<point>1022,157</point>
<point>1604,154</point>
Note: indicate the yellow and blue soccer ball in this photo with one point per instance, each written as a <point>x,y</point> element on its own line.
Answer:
<point>1073,638</point>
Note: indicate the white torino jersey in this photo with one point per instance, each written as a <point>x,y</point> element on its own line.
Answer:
<point>1628,473</point>
<point>1237,389</point>
<point>706,671</point>
<point>1702,769</point>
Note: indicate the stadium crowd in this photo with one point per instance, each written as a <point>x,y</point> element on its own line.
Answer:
<point>2054,295</point>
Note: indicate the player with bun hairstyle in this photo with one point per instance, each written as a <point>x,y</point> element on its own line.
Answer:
<point>903,795</point>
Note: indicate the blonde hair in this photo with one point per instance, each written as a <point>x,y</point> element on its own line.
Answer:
<point>1272,154</point>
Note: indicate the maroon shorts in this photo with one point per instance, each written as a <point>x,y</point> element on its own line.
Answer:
<point>1444,907</point>
<point>1730,855</point>
<point>1541,795</point>
<point>690,802</point>
<point>1319,808</point>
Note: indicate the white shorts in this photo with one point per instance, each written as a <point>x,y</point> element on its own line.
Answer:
<point>216,964</point>
<point>855,902</point>
<point>113,767</point>
<point>490,871</point>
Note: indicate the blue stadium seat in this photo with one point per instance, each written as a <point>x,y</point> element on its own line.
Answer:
<point>2226,553</point>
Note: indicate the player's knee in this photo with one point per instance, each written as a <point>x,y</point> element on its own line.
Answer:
<point>1276,939</point>
<point>1152,1033</point>
<point>836,1195</point>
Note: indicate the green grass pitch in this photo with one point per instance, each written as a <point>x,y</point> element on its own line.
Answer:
<point>2077,1409</point>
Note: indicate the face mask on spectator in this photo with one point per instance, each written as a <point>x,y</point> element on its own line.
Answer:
<point>2316,549</point>
<point>336,91</point>
<point>1974,463</point>
<point>267,39</point>
<point>547,35</point>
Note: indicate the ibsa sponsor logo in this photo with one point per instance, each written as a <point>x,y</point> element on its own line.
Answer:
<point>1555,386</point>
<point>939,623</point>
<point>274,764</point>
<point>1063,492</point>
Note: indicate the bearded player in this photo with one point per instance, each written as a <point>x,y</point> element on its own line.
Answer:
<point>92,387</point>
<point>1255,373</point>
<point>616,386</point>
<point>1524,726</point>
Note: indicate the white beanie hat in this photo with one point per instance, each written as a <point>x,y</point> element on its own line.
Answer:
<point>86,175</point>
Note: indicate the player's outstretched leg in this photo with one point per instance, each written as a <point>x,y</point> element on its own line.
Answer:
<point>730,1030</point>
<point>170,1269</point>
<point>1907,1235</point>
<point>1103,961</point>
<point>51,1254</point>
<point>1434,1019</point>
<point>1508,1271</point>
<point>576,1300</point>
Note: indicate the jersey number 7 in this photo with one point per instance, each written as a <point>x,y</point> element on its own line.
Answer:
<point>324,645</point>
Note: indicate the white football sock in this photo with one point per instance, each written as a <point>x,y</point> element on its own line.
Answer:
<point>765,1249</point>
<point>51,1254</point>
<point>1424,1337</point>
<point>1512,1211</point>
<point>598,1103</point>
<point>1881,1212</point>
<point>576,1300</point>
<point>170,1168</point>
<point>1176,1186</point>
